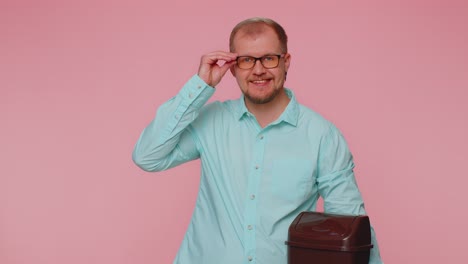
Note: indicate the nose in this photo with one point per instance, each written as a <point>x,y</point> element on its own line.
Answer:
<point>258,68</point>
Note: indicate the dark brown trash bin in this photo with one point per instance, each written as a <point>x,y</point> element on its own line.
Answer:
<point>320,238</point>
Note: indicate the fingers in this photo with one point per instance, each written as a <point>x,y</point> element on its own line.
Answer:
<point>214,57</point>
<point>225,67</point>
<point>211,70</point>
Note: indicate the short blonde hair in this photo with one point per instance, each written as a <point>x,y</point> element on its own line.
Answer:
<point>256,25</point>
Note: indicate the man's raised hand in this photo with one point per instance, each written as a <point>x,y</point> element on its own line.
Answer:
<point>210,71</point>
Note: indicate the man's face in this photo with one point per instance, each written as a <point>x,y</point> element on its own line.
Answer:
<point>259,84</point>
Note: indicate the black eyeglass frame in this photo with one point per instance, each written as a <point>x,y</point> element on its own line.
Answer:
<point>279,56</point>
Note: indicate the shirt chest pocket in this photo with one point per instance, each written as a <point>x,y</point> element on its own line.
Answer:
<point>292,180</point>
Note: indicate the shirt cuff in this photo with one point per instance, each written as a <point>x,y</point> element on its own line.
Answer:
<point>196,92</point>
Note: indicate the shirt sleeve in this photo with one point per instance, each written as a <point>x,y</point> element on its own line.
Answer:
<point>337,184</point>
<point>167,141</point>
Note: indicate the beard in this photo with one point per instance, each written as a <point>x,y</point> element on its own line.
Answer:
<point>262,100</point>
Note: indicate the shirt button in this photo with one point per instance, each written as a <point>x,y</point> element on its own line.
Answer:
<point>261,137</point>
<point>252,196</point>
<point>249,227</point>
<point>199,87</point>
<point>190,95</point>
<point>256,167</point>
<point>249,258</point>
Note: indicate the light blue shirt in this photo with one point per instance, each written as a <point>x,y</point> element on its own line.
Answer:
<point>254,181</point>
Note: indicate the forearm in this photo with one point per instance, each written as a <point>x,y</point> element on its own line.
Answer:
<point>375,257</point>
<point>159,146</point>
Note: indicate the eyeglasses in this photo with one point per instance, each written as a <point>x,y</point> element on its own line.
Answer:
<point>268,61</point>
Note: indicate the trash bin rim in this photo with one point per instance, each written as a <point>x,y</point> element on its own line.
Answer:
<point>328,247</point>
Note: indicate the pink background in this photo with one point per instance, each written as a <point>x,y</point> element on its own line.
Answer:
<point>80,80</point>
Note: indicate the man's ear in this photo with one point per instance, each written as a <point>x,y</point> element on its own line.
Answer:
<point>287,61</point>
<point>233,71</point>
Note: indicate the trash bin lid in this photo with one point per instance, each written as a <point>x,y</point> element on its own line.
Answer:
<point>330,232</point>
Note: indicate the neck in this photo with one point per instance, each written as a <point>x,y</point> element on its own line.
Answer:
<point>268,112</point>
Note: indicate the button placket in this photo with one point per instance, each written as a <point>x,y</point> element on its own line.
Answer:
<point>254,179</point>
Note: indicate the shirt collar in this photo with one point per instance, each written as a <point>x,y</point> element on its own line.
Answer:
<point>290,114</point>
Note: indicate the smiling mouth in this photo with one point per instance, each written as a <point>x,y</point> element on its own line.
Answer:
<point>260,82</point>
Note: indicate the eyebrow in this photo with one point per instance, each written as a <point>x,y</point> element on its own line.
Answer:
<point>268,54</point>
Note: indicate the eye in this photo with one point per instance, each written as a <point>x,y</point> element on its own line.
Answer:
<point>269,58</point>
<point>246,59</point>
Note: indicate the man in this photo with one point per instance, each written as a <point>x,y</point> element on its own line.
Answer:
<point>264,157</point>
